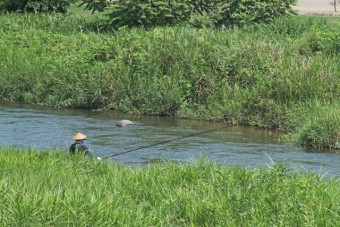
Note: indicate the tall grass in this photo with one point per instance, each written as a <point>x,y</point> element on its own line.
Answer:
<point>320,127</point>
<point>36,22</point>
<point>51,188</point>
<point>256,75</point>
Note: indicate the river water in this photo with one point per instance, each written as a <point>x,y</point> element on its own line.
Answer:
<point>24,125</point>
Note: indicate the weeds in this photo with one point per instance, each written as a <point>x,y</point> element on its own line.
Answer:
<point>52,188</point>
<point>255,75</point>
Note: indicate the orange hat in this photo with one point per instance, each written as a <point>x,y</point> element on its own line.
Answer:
<point>79,136</point>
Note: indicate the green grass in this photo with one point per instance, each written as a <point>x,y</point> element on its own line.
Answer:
<point>80,11</point>
<point>54,189</point>
<point>262,75</point>
<point>317,127</point>
<point>333,19</point>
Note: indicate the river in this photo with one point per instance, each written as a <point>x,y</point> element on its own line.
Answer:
<point>24,125</point>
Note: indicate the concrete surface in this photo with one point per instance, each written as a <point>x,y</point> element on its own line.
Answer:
<point>317,7</point>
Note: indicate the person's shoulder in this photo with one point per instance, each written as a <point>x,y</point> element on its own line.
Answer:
<point>83,147</point>
<point>72,145</point>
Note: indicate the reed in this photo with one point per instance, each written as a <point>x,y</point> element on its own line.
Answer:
<point>53,22</point>
<point>52,188</point>
<point>257,75</point>
<point>320,127</point>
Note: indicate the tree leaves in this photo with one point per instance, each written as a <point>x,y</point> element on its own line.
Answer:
<point>95,5</point>
<point>35,5</point>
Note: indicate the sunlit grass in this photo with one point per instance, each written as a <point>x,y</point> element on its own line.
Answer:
<point>80,11</point>
<point>260,75</point>
<point>52,188</point>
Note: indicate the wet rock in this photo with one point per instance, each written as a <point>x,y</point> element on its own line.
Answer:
<point>124,123</point>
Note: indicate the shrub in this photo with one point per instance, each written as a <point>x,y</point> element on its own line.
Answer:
<point>133,13</point>
<point>321,129</point>
<point>249,11</point>
<point>150,13</point>
<point>35,5</point>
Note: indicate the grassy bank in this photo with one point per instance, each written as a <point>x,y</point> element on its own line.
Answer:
<point>276,75</point>
<point>52,188</point>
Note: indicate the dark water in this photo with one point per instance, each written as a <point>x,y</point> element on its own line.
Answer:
<point>24,125</point>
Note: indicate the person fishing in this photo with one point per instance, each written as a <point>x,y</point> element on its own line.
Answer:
<point>79,147</point>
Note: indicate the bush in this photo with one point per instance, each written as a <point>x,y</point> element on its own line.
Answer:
<point>313,42</point>
<point>249,11</point>
<point>320,128</point>
<point>35,5</point>
<point>148,13</point>
<point>200,13</point>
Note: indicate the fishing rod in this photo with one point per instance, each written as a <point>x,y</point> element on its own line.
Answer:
<point>163,142</point>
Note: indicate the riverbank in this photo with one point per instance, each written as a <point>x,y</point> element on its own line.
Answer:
<point>281,75</point>
<point>54,188</point>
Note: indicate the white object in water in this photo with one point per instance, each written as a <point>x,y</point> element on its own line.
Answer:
<point>124,123</point>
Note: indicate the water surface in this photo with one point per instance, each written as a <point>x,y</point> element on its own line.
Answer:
<point>24,125</point>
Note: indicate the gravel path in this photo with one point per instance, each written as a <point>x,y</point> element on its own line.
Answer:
<point>322,7</point>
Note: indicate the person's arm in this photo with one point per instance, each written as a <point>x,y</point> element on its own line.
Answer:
<point>90,153</point>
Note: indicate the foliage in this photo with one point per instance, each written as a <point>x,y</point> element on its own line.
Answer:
<point>147,13</point>
<point>200,13</point>
<point>35,5</point>
<point>95,5</point>
<point>10,5</point>
<point>327,41</point>
<point>254,75</point>
<point>321,128</point>
<point>55,189</point>
<point>249,11</point>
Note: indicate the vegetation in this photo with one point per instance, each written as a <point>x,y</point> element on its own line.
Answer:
<point>148,13</point>
<point>54,189</point>
<point>275,75</point>
<point>211,13</point>
<point>35,6</point>
<point>283,74</point>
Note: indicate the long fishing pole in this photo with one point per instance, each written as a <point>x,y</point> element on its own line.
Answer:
<point>167,141</point>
